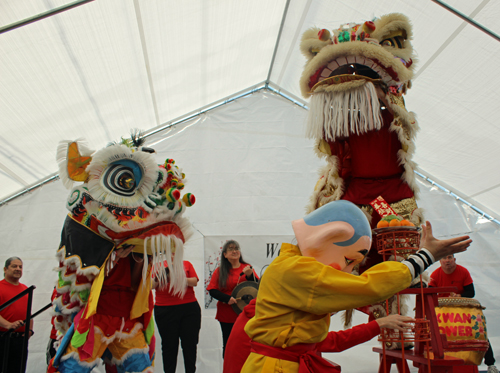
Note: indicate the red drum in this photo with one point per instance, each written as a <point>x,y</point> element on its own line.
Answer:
<point>463,323</point>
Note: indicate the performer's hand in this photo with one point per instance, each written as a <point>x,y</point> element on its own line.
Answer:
<point>398,322</point>
<point>232,301</point>
<point>123,252</point>
<point>455,295</point>
<point>441,248</point>
<point>16,324</point>
<point>247,270</point>
<point>154,283</point>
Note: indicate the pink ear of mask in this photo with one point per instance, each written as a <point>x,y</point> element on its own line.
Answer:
<point>319,242</point>
<point>321,236</point>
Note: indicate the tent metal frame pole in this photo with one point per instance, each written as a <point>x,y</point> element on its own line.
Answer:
<point>43,15</point>
<point>227,100</point>
<point>458,198</point>
<point>467,19</point>
<point>50,179</point>
<point>203,110</point>
<point>285,12</point>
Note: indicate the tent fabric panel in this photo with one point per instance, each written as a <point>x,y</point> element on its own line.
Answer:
<point>460,132</point>
<point>75,74</point>
<point>201,52</point>
<point>107,66</point>
<point>251,156</point>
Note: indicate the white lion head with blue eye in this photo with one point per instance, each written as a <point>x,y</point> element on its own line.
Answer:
<point>127,198</point>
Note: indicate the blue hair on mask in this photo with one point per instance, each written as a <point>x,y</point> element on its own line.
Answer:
<point>344,211</point>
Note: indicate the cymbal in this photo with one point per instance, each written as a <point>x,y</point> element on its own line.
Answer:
<point>244,293</point>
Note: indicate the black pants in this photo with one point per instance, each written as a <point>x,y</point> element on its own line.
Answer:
<point>226,331</point>
<point>15,353</point>
<point>182,322</point>
<point>488,357</point>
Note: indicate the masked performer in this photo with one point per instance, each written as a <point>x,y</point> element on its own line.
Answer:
<point>125,220</point>
<point>306,283</point>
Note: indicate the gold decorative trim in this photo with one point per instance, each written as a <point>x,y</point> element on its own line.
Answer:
<point>459,302</point>
<point>405,207</point>
<point>397,100</point>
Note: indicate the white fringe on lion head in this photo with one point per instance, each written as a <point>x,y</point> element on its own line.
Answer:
<point>354,111</point>
<point>162,248</point>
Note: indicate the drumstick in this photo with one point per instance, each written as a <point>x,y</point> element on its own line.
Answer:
<point>244,298</point>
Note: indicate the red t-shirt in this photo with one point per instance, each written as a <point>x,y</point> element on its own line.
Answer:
<point>459,278</point>
<point>225,312</point>
<point>17,310</point>
<point>166,298</point>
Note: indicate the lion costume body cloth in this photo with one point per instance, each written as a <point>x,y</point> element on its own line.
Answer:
<point>125,220</point>
<point>356,78</point>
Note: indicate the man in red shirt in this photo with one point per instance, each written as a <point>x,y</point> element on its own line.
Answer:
<point>452,274</point>
<point>12,317</point>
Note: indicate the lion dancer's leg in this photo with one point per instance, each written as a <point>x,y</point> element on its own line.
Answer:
<point>130,352</point>
<point>110,333</point>
<point>123,351</point>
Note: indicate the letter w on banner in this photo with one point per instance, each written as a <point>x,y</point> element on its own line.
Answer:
<point>258,251</point>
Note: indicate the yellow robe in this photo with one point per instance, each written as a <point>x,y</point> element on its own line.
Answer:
<point>297,294</point>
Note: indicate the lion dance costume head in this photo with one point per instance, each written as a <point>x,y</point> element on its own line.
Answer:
<point>356,77</point>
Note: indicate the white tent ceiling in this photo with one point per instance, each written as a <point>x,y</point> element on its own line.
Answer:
<point>99,69</point>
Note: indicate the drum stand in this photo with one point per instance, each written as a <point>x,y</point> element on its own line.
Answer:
<point>425,331</point>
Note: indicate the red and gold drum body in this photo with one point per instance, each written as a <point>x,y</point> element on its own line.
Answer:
<point>463,323</point>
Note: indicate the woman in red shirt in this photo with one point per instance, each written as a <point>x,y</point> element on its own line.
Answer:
<point>232,270</point>
<point>179,318</point>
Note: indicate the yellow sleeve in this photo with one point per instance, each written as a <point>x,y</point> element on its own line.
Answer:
<point>313,287</point>
<point>346,291</point>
